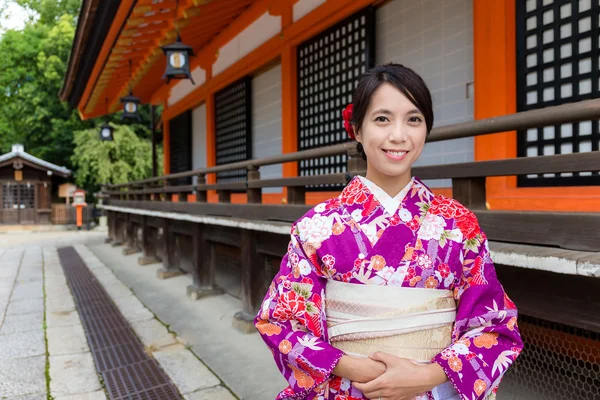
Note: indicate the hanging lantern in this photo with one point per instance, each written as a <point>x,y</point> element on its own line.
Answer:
<point>131,107</point>
<point>130,103</point>
<point>106,132</point>
<point>178,60</point>
<point>178,57</point>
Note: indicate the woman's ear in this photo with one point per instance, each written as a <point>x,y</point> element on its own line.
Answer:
<point>356,134</point>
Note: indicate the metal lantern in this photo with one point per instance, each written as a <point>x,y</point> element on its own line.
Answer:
<point>106,132</point>
<point>178,60</point>
<point>131,107</point>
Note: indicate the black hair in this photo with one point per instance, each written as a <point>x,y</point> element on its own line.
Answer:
<point>404,79</point>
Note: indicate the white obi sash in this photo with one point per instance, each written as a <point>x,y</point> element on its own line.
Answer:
<point>413,323</point>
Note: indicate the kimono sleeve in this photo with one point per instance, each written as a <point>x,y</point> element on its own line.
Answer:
<point>486,339</point>
<point>291,321</point>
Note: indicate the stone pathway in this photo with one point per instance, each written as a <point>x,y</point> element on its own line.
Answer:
<point>43,348</point>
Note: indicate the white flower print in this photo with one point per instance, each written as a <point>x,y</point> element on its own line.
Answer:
<point>386,272</point>
<point>371,233</point>
<point>329,260</point>
<point>319,208</point>
<point>397,278</point>
<point>424,261</point>
<point>357,215</point>
<point>315,230</point>
<point>304,267</point>
<point>404,215</point>
<point>432,227</point>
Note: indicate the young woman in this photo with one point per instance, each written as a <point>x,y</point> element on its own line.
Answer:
<point>388,291</point>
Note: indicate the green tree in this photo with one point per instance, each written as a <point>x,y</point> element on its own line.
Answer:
<point>127,158</point>
<point>50,10</point>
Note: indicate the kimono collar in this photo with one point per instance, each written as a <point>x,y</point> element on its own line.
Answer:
<point>389,203</point>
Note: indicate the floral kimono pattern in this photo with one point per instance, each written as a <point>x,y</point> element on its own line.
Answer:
<point>428,242</point>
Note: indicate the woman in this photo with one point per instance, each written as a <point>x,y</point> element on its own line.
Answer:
<point>388,291</point>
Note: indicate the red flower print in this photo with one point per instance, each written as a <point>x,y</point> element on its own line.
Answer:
<point>329,260</point>
<point>468,226</point>
<point>313,323</point>
<point>355,192</point>
<point>347,276</point>
<point>508,303</point>
<point>307,280</point>
<point>335,383</point>
<point>289,306</point>
<point>370,205</point>
<point>444,270</point>
<point>347,115</point>
<point>333,203</point>
<point>447,208</point>
<point>395,220</point>
<point>478,277</point>
<point>358,262</point>
<point>413,224</point>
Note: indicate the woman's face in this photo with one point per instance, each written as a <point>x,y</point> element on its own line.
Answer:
<point>393,134</point>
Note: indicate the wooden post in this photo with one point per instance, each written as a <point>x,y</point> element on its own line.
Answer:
<point>253,282</point>
<point>169,268</point>
<point>224,196</point>
<point>111,226</point>
<point>201,195</point>
<point>131,237</point>
<point>470,192</point>
<point>296,195</point>
<point>119,236</point>
<point>203,273</point>
<point>254,195</point>
<point>148,251</point>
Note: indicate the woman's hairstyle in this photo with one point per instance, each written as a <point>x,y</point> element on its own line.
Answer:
<point>402,78</point>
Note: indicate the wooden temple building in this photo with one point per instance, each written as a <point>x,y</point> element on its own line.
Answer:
<point>258,138</point>
<point>26,187</point>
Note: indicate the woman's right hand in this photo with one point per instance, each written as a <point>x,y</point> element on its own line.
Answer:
<point>357,369</point>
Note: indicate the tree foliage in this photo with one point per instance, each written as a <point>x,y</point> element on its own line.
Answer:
<point>33,64</point>
<point>127,158</point>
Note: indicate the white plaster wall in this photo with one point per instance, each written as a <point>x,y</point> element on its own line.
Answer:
<point>199,138</point>
<point>434,38</point>
<point>303,7</point>
<point>266,121</point>
<point>257,33</point>
<point>185,87</point>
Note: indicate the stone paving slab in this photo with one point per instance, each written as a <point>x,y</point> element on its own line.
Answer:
<point>73,374</point>
<point>132,309</point>
<point>37,396</point>
<point>153,334</point>
<point>216,393</point>
<point>25,306</point>
<point>27,290</point>
<point>60,302</point>
<point>184,369</point>
<point>22,376</point>
<point>66,340</point>
<point>116,291</point>
<point>22,344</point>
<point>55,280</point>
<point>62,318</point>
<point>22,323</point>
<point>99,395</point>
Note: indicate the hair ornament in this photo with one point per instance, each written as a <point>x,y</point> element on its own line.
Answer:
<point>347,114</point>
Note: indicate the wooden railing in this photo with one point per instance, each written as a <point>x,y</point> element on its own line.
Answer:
<point>577,231</point>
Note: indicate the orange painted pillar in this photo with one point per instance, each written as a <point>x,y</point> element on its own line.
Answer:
<point>79,211</point>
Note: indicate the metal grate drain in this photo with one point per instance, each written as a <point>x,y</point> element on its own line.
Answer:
<point>128,372</point>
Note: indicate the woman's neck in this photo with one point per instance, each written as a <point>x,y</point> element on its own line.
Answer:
<point>392,185</point>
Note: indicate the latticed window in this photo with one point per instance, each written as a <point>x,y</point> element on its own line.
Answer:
<point>233,127</point>
<point>180,131</point>
<point>557,62</point>
<point>329,67</point>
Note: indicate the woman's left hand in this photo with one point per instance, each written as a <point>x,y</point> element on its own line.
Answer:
<point>403,379</point>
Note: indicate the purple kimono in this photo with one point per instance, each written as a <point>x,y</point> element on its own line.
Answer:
<point>416,239</point>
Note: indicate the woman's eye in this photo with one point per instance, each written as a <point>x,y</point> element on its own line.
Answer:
<point>381,119</point>
<point>415,120</point>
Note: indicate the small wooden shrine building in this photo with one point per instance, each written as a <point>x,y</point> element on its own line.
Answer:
<point>26,187</point>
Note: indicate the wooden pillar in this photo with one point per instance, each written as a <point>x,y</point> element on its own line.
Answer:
<point>254,195</point>
<point>169,269</point>
<point>203,260</point>
<point>470,192</point>
<point>131,236</point>
<point>201,195</point>
<point>296,195</point>
<point>253,282</point>
<point>119,236</point>
<point>111,226</point>
<point>148,251</point>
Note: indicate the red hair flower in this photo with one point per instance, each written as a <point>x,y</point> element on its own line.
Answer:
<point>347,114</point>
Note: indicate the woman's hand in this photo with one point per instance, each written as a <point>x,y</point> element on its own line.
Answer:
<point>359,369</point>
<point>402,380</point>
